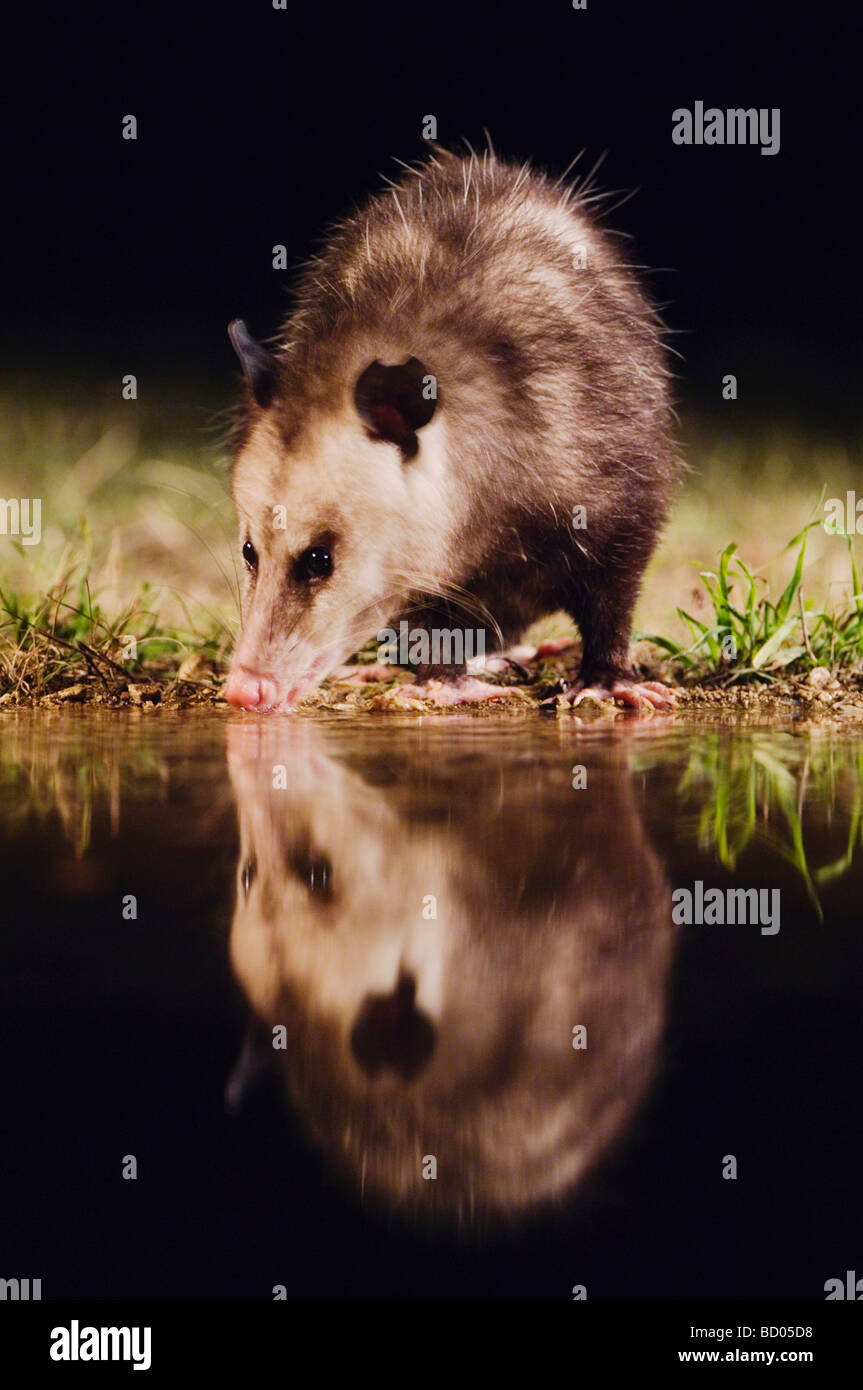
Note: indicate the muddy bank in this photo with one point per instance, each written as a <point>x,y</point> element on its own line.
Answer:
<point>537,685</point>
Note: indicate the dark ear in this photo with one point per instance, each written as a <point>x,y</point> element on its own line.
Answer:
<point>393,402</point>
<point>259,366</point>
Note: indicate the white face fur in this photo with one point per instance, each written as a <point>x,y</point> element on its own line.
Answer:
<point>328,541</point>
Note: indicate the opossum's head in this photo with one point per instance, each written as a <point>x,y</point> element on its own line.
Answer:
<point>326,505</point>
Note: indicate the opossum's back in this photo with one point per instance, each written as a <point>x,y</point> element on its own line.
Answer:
<point>504,288</point>
<point>475,247</point>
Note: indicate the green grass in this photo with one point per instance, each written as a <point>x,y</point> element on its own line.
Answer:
<point>756,636</point>
<point>66,636</point>
<point>139,540</point>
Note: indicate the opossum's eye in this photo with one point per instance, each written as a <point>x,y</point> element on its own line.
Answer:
<point>250,555</point>
<point>314,564</point>
<point>250,869</point>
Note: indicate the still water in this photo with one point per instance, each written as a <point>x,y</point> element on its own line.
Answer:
<point>411,1008</point>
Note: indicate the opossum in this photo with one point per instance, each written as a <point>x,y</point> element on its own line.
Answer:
<point>465,421</point>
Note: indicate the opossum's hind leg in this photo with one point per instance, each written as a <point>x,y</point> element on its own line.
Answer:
<point>465,690</point>
<point>603,608</point>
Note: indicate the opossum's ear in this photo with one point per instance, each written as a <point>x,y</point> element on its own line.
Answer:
<point>259,366</point>
<point>395,402</point>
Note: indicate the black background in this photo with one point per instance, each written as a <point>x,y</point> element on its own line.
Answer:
<point>259,127</point>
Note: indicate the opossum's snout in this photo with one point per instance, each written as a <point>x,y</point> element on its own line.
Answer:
<point>247,689</point>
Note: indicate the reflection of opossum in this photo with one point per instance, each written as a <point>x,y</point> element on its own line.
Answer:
<point>466,422</point>
<point>450,1037</point>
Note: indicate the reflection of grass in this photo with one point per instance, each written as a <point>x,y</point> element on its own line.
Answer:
<point>755,789</point>
<point>98,771</point>
<point>753,636</point>
<point>41,778</point>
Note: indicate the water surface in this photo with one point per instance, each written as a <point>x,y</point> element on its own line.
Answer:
<point>400,1008</point>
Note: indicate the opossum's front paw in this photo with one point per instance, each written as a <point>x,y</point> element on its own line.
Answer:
<point>647,697</point>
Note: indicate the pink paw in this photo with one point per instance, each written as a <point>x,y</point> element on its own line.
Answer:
<point>466,690</point>
<point>647,697</point>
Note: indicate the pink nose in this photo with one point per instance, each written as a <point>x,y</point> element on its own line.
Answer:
<point>247,690</point>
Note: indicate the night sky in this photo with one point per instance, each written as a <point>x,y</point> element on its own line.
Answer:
<point>259,126</point>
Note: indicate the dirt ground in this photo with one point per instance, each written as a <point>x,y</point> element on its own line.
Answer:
<point>815,696</point>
